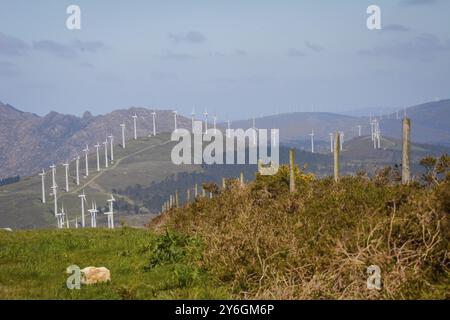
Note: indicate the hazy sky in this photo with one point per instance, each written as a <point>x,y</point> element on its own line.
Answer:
<point>235,57</point>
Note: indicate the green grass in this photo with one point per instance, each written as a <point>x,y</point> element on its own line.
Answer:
<point>142,264</point>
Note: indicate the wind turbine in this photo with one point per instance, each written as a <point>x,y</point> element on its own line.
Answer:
<point>97,146</point>
<point>55,197</point>
<point>175,112</point>
<point>60,218</point>
<point>229,128</point>
<point>66,166</point>
<point>331,142</point>
<point>214,123</point>
<point>93,211</point>
<point>86,152</point>
<point>53,167</point>
<point>111,212</point>
<point>372,129</point>
<point>42,174</point>
<point>312,140</point>
<point>206,121</point>
<point>111,141</point>
<point>105,143</point>
<point>83,200</point>
<point>341,133</point>
<point>193,118</point>
<point>135,129</point>
<point>254,131</point>
<point>154,123</point>
<point>77,166</point>
<point>359,130</point>
<point>123,135</point>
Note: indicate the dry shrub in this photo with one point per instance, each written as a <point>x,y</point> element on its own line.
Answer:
<point>318,242</point>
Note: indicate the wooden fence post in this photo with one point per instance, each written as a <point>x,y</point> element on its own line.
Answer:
<point>406,150</point>
<point>337,151</point>
<point>291,171</point>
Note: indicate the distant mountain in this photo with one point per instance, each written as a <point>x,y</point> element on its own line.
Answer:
<point>29,142</point>
<point>430,124</point>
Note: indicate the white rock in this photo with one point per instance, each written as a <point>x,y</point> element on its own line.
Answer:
<point>93,275</point>
<point>6,229</point>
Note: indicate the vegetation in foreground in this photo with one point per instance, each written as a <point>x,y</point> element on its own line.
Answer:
<point>318,242</point>
<point>258,241</point>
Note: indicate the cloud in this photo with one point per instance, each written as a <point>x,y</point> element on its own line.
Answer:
<point>11,46</point>
<point>56,48</point>
<point>396,28</point>
<point>189,37</point>
<point>295,53</point>
<point>423,48</point>
<point>175,56</point>
<point>313,46</point>
<point>8,69</point>
<point>88,46</point>
<point>418,2</point>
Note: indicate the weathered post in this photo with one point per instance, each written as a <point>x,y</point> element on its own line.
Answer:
<point>177,204</point>
<point>171,201</point>
<point>224,184</point>
<point>337,151</point>
<point>203,192</point>
<point>196,191</point>
<point>406,150</point>
<point>210,195</point>
<point>291,171</point>
<point>188,195</point>
<point>242,182</point>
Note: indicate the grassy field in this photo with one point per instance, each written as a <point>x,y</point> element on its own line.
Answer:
<point>143,265</point>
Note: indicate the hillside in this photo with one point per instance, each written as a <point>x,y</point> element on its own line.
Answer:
<point>29,143</point>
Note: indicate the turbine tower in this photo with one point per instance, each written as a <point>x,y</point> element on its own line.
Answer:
<point>214,123</point>
<point>111,212</point>
<point>77,165</point>
<point>111,141</point>
<point>341,138</point>
<point>175,119</point>
<point>93,211</point>
<point>154,123</point>
<point>123,135</point>
<point>60,218</point>
<point>193,118</point>
<point>66,166</point>
<point>359,130</point>
<point>55,197</point>
<point>312,140</point>
<point>53,167</point>
<point>86,153</point>
<point>83,200</point>
<point>135,128</point>
<point>97,146</point>
<point>229,128</point>
<point>206,121</point>
<point>42,174</point>
<point>105,143</point>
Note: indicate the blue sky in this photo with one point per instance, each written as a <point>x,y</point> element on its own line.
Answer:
<point>236,58</point>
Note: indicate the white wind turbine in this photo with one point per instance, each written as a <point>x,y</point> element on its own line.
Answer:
<point>341,133</point>
<point>66,166</point>
<point>60,218</point>
<point>55,198</point>
<point>111,212</point>
<point>154,123</point>
<point>359,130</point>
<point>97,146</point>
<point>193,118</point>
<point>312,140</point>
<point>77,167</point>
<point>175,112</point>
<point>111,141</point>
<point>372,123</point>
<point>135,126</point>
<point>331,142</point>
<point>123,135</point>
<point>206,121</point>
<point>214,124</point>
<point>42,174</point>
<point>53,167</point>
<point>105,143</point>
<point>86,153</point>
<point>83,201</point>
<point>93,211</point>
